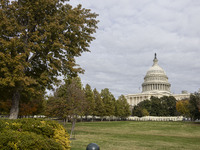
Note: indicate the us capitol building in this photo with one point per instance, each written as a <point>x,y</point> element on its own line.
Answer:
<point>155,84</point>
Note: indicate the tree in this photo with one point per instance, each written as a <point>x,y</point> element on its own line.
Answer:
<point>32,107</point>
<point>194,103</point>
<point>169,105</point>
<point>156,107</point>
<point>123,108</point>
<point>57,107</point>
<point>108,101</point>
<point>140,111</point>
<point>118,109</point>
<point>182,107</point>
<point>164,106</point>
<point>146,104</point>
<point>39,41</point>
<point>145,112</point>
<point>27,108</point>
<point>99,106</point>
<point>137,111</point>
<point>68,101</point>
<point>89,97</point>
<point>5,107</point>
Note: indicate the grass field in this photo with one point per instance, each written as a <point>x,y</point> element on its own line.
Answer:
<point>131,135</point>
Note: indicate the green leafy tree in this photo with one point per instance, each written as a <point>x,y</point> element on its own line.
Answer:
<point>39,41</point>
<point>89,97</point>
<point>146,104</point>
<point>194,103</point>
<point>140,111</point>
<point>164,106</point>
<point>182,107</point>
<point>108,101</point>
<point>99,106</point>
<point>156,107</point>
<point>145,112</point>
<point>169,105</point>
<point>137,111</point>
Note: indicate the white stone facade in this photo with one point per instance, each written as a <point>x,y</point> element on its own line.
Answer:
<point>155,84</point>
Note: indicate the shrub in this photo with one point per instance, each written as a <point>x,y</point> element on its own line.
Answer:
<point>33,134</point>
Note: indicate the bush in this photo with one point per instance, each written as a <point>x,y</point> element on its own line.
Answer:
<point>33,134</point>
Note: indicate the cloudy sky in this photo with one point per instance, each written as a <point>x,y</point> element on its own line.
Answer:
<point>128,35</point>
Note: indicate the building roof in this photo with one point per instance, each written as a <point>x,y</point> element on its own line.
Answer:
<point>156,79</point>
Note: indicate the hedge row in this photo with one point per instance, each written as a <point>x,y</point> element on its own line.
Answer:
<point>33,134</point>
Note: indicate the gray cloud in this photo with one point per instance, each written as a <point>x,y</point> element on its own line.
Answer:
<point>131,31</point>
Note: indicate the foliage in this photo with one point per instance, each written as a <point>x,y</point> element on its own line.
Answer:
<point>5,107</point>
<point>169,104</point>
<point>68,101</point>
<point>145,112</point>
<point>27,108</point>
<point>39,41</point>
<point>99,105</point>
<point>109,102</point>
<point>164,106</point>
<point>33,134</point>
<point>156,107</point>
<point>194,108</point>
<point>137,111</point>
<point>90,101</point>
<point>182,107</point>
<point>56,107</point>
<point>69,97</point>
<point>122,108</point>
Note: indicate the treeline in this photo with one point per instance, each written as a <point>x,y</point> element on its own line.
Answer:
<point>71,101</point>
<point>190,107</point>
<point>169,106</point>
<point>164,106</point>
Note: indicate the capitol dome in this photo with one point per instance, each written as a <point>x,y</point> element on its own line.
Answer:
<point>156,80</point>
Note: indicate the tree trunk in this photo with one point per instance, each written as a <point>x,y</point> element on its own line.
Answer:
<point>73,126</point>
<point>14,111</point>
<point>81,118</point>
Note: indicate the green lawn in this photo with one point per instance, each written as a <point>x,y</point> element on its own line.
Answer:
<point>131,135</point>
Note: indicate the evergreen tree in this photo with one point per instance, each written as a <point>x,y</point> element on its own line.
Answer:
<point>39,41</point>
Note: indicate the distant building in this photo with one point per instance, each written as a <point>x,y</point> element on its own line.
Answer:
<point>155,84</point>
